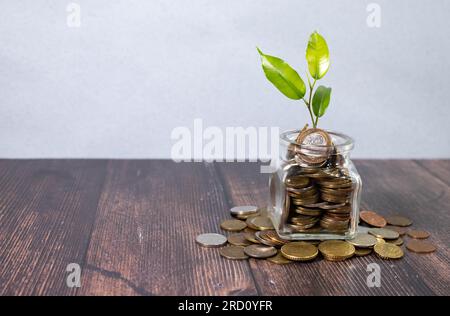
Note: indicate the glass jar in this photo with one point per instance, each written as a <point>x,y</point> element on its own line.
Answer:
<point>315,190</point>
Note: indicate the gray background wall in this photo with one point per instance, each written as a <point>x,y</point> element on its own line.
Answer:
<point>134,70</point>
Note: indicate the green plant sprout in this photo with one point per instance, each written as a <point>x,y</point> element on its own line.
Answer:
<point>288,81</point>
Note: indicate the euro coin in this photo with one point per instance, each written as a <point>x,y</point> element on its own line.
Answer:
<point>260,251</point>
<point>233,253</point>
<point>336,250</point>
<point>299,251</point>
<point>279,259</point>
<point>384,233</point>
<point>244,210</point>
<point>361,252</point>
<point>362,240</point>
<point>418,234</point>
<point>233,225</point>
<point>397,242</point>
<point>388,251</point>
<point>238,240</point>
<point>211,240</point>
<point>397,220</point>
<point>260,223</point>
<point>372,218</point>
<point>401,230</point>
<point>420,246</point>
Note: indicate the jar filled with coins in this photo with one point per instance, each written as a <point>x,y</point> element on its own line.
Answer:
<point>315,191</point>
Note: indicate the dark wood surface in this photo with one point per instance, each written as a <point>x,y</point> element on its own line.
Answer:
<point>131,226</point>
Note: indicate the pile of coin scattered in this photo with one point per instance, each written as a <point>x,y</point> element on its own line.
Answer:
<point>253,236</point>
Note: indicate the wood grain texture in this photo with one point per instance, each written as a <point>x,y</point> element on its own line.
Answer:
<point>390,187</point>
<point>47,209</point>
<point>131,225</point>
<point>439,168</point>
<point>143,241</point>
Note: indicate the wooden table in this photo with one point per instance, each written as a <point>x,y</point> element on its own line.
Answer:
<point>131,226</point>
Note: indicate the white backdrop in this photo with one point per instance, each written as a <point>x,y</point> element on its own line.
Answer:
<point>119,84</point>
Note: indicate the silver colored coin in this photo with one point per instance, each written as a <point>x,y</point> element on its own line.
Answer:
<point>211,240</point>
<point>244,210</point>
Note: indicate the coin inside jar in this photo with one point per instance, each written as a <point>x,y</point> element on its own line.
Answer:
<point>384,233</point>
<point>233,225</point>
<point>211,240</point>
<point>314,137</point>
<point>260,251</point>
<point>233,253</point>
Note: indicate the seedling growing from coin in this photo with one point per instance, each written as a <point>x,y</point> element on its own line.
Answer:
<point>289,82</point>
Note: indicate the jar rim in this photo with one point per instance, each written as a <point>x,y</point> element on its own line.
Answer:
<point>346,144</point>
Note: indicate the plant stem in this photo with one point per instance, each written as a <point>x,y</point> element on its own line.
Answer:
<point>311,88</point>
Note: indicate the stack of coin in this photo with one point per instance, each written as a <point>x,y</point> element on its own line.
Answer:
<point>319,199</point>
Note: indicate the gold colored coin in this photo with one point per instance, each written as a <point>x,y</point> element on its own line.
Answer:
<point>233,225</point>
<point>420,246</point>
<point>398,220</point>
<point>381,241</point>
<point>361,252</point>
<point>299,251</point>
<point>363,240</point>
<point>334,250</point>
<point>233,253</point>
<point>260,223</point>
<point>388,251</point>
<point>397,242</point>
<point>384,233</point>
<point>260,251</point>
<point>418,234</point>
<point>238,240</point>
<point>279,259</point>
<point>250,236</point>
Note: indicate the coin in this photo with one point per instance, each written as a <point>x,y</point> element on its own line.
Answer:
<point>211,240</point>
<point>279,259</point>
<point>418,234</point>
<point>398,221</point>
<point>388,251</point>
<point>238,239</point>
<point>250,236</point>
<point>244,210</point>
<point>260,223</point>
<point>361,252</point>
<point>372,218</point>
<point>273,235</point>
<point>260,251</point>
<point>233,253</point>
<point>233,225</point>
<point>381,241</point>
<point>362,240</point>
<point>384,233</point>
<point>400,230</point>
<point>336,250</point>
<point>315,137</point>
<point>299,251</point>
<point>420,246</point>
<point>265,241</point>
<point>397,242</point>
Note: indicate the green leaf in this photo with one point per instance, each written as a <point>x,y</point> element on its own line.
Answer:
<point>320,100</point>
<point>283,76</point>
<point>318,56</point>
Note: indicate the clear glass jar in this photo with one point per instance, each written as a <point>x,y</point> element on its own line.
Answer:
<point>315,190</point>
